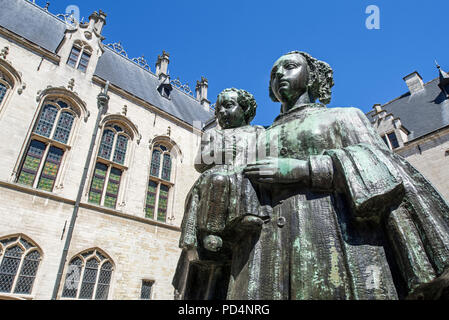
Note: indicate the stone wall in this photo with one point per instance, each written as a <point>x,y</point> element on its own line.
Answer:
<point>139,248</point>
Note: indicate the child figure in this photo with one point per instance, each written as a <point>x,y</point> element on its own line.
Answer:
<point>227,197</point>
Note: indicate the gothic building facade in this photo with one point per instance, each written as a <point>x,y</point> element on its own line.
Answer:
<point>416,126</point>
<point>91,200</point>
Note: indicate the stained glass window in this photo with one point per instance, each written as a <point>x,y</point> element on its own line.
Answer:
<point>64,127</point>
<point>110,200</point>
<point>28,273</point>
<point>166,167</point>
<point>151,199</point>
<point>50,169</point>
<point>73,58</point>
<point>46,120</point>
<point>73,278</point>
<point>3,90</point>
<point>89,279</point>
<point>120,149</point>
<point>98,181</point>
<point>31,164</point>
<point>162,203</point>
<point>106,144</point>
<point>155,163</point>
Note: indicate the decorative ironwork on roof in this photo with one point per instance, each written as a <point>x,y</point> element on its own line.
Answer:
<point>141,62</point>
<point>118,48</point>
<point>183,87</point>
<point>69,20</point>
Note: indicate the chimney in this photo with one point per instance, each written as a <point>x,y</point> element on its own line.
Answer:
<point>397,123</point>
<point>380,113</point>
<point>201,92</point>
<point>162,64</point>
<point>414,82</point>
<point>97,21</point>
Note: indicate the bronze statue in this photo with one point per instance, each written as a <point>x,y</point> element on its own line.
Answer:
<point>347,218</point>
<point>223,202</point>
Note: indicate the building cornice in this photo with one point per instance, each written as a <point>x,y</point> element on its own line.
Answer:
<point>52,196</point>
<point>431,135</point>
<point>30,45</point>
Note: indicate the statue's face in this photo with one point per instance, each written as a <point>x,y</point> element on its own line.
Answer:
<point>289,78</point>
<point>231,114</point>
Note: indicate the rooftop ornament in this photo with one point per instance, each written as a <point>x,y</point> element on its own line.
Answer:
<point>118,48</point>
<point>183,87</point>
<point>69,19</point>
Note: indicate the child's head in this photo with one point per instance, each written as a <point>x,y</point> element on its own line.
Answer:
<point>235,108</point>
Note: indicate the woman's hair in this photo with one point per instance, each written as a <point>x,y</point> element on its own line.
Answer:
<point>245,100</point>
<point>321,79</point>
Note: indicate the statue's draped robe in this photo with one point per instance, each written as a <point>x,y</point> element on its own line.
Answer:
<point>367,226</point>
<point>372,228</point>
<point>220,197</point>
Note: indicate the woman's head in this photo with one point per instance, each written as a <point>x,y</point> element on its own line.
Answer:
<point>235,108</point>
<point>296,73</point>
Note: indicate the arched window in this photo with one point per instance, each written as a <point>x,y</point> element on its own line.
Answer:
<point>48,144</point>
<point>88,276</point>
<point>79,56</point>
<point>159,184</point>
<point>109,167</point>
<point>19,262</point>
<point>5,85</point>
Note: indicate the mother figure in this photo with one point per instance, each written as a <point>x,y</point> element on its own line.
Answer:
<point>350,219</point>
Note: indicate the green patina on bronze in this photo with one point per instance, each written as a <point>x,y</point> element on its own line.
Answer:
<point>328,213</point>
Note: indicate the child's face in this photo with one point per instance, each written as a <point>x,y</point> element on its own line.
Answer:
<point>231,114</point>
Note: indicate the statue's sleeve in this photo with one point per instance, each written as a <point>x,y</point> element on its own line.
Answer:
<point>189,222</point>
<point>364,168</point>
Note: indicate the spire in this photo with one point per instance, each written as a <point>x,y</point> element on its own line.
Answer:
<point>444,79</point>
<point>443,75</point>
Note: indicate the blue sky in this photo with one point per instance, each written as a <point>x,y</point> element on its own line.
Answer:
<point>235,43</point>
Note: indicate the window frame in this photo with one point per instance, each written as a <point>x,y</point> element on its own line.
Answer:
<point>9,82</point>
<point>50,141</point>
<point>84,49</point>
<point>160,182</point>
<point>83,267</point>
<point>110,163</point>
<point>151,296</point>
<point>26,251</point>
<point>385,137</point>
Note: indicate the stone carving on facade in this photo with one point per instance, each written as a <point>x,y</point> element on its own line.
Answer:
<point>71,84</point>
<point>21,88</point>
<point>326,211</point>
<point>4,53</point>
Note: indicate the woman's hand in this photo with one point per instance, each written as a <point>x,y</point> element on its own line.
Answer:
<point>278,170</point>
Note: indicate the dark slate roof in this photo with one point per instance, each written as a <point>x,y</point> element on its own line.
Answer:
<point>143,84</point>
<point>44,29</point>
<point>32,23</point>
<point>421,113</point>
